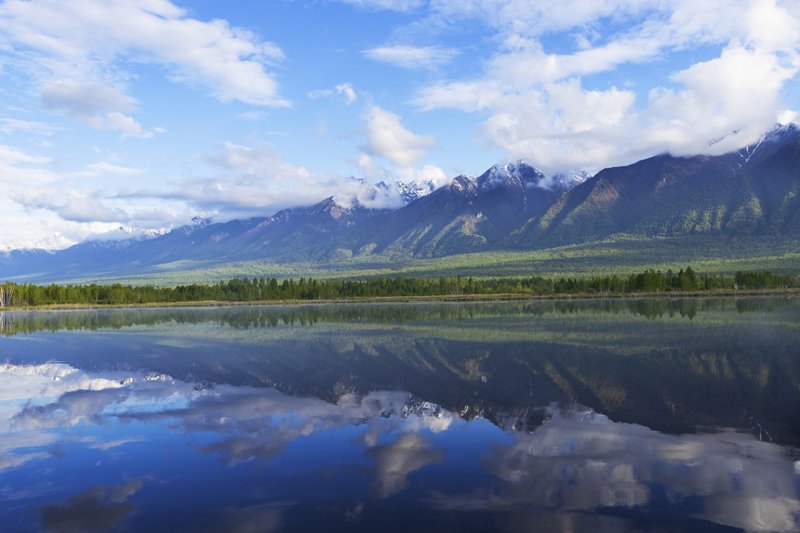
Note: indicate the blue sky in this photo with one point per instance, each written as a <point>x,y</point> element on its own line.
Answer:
<point>144,113</point>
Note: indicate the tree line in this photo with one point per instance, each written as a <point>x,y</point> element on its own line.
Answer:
<point>272,289</point>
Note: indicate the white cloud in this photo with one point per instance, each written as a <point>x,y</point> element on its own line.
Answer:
<point>345,90</point>
<point>412,57</point>
<point>537,106</point>
<point>247,181</point>
<point>388,138</point>
<point>740,90</point>
<point>70,205</point>
<point>772,27</point>
<point>244,181</point>
<point>43,228</point>
<point>391,154</point>
<point>47,211</point>
<point>467,96</point>
<point>76,52</point>
<point>98,106</point>
<point>84,101</point>
<point>349,93</point>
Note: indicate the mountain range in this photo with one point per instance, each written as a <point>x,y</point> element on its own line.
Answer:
<point>750,193</point>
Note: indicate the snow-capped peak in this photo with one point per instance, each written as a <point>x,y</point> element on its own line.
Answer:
<point>396,193</point>
<point>522,175</point>
<point>148,234</point>
<point>780,132</point>
<point>414,190</point>
<point>568,179</point>
<point>518,174</point>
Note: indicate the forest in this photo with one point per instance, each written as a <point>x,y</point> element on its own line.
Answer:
<point>272,289</point>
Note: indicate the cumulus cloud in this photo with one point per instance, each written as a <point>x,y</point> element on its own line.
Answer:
<point>388,138</point>
<point>740,90</point>
<point>546,107</point>
<point>412,57</point>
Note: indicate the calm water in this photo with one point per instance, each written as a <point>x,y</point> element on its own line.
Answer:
<point>588,416</point>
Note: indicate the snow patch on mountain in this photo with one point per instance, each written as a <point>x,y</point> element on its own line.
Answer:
<point>518,174</point>
<point>567,180</point>
<point>124,233</point>
<point>394,194</point>
<point>521,175</point>
<point>778,135</point>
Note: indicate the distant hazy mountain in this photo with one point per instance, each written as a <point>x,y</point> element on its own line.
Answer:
<point>752,192</point>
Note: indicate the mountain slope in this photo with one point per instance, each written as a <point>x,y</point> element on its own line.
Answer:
<point>736,199</point>
<point>468,214</point>
<point>753,191</point>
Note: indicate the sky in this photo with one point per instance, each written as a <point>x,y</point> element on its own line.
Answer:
<point>119,118</point>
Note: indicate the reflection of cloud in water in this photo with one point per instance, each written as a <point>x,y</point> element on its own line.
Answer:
<point>251,422</point>
<point>582,461</point>
<point>575,463</point>
<point>96,509</point>
<point>262,518</point>
<point>395,461</point>
<point>259,423</point>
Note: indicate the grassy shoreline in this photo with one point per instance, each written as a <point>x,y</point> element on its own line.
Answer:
<point>499,297</point>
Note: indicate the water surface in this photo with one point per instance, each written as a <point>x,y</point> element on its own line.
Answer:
<point>548,416</point>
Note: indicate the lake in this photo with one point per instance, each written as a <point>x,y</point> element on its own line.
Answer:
<point>657,415</point>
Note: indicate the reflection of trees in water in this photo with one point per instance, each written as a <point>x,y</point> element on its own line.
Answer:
<point>688,363</point>
<point>312,314</point>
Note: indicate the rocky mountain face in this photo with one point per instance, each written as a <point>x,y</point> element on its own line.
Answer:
<point>752,192</point>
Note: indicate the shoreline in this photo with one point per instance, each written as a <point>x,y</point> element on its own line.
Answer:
<point>498,297</point>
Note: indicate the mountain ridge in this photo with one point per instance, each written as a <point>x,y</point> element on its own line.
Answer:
<point>753,192</point>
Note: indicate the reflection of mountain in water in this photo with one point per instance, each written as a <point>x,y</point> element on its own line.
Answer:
<point>576,462</point>
<point>674,366</point>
